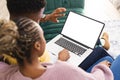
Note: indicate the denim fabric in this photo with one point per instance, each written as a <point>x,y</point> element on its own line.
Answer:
<point>115,67</point>
<point>97,54</point>
<point>108,58</point>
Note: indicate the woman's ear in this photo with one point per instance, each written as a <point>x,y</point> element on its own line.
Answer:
<point>37,45</point>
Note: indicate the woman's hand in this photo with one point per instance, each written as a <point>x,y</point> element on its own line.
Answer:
<point>63,55</point>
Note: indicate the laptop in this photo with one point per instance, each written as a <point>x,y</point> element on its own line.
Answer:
<point>79,36</point>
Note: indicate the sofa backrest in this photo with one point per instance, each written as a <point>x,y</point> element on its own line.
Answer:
<point>53,4</point>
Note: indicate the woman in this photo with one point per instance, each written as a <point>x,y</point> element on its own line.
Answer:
<point>26,44</point>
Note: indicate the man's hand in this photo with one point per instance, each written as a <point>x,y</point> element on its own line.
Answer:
<point>63,55</point>
<point>55,15</point>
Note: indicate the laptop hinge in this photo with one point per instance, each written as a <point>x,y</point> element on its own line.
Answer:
<point>76,42</point>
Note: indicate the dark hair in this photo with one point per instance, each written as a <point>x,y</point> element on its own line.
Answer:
<point>28,35</point>
<point>25,6</point>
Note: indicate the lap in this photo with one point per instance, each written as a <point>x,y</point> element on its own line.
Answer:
<point>108,58</point>
<point>97,54</point>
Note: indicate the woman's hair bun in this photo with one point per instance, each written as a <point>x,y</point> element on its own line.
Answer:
<point>8,36</point>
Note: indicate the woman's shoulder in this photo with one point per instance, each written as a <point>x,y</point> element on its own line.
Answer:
<point>6,69</point>
<point>5,66</point>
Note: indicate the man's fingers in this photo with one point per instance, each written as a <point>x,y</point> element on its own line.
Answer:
<point>60,10</point>
<point>58,15</point>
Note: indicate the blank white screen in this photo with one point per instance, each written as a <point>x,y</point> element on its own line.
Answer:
<point>82,29</point>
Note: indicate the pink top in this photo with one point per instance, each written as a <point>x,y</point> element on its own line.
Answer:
<point>58,71</point>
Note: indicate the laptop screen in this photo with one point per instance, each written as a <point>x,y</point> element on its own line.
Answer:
<point>82,29</point>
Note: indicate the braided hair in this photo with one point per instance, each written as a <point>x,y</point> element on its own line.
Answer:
<point>28,35</point>
<point>25,6</point>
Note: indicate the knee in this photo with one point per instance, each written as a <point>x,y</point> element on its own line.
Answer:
<point>99,50</point>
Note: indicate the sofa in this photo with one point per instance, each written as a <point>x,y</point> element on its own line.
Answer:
<point>52,29</point>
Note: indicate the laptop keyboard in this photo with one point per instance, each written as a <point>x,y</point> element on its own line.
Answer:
<point>70,46</point>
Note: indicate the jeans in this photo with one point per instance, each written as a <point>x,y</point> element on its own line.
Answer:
<point>108,58</point>
<point>96,55</point>
<point>115,67</point>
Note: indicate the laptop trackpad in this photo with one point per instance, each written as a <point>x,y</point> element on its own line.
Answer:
<point>76,60</point>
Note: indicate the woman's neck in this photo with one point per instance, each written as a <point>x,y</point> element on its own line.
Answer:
<point>32,70</point>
